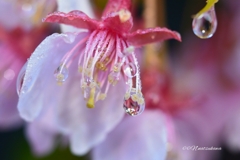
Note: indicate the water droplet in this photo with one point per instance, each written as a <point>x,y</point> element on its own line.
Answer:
<point>130,70</point>
<point>61,73</point>
<point>128,51</point>
<point>134,104</point>
<point>87,87</point>
<point>20,79</point>
<point>205,25</point>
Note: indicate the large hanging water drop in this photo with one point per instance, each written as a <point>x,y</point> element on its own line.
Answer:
<point>134,103</point>
<point>205,25</point>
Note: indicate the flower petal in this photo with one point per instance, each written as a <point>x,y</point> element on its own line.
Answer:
<point>41,133</point>
<point>115,6</point>
<point>39,84</point>
<point>74,18</point>
<point>143,137</point>
<point>42,141</point>
<point>88,127</point>
<point>150,35</point>
<point>120,22</point>
<point>67,6</point>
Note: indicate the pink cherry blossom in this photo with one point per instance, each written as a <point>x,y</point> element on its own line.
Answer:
<point>100,77</point>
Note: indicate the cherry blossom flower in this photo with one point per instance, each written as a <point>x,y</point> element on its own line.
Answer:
<point>106,58</point>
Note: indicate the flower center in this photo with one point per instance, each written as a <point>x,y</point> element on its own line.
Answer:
<point>106,59</point>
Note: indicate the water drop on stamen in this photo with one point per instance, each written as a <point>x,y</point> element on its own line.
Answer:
<point>134,105</point>
<point>128,51</point>
<point>130,70</point>
<point>87,86</point>
<point>205,25</point>
<point>61,73</point>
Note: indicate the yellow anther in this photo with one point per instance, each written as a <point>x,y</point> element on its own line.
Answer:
<point>90,63</point>
<point>127,95</point>
<point>87,72</point>
<point>208,6</point>
<point>101,66</point>
<point>60,77</point>
<point>116,69</point>
<point>124,15</point>
<point>90,102</point>
<point>140,101</point>
<point>135,98</point>
<point>106,59</point>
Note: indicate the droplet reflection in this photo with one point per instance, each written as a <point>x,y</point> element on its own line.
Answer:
<point>205,25</point>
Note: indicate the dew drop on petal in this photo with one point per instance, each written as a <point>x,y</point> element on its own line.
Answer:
<point>20,79</point>
<point>130,70</point>
<point>61,73</point>
<point>205,25</point>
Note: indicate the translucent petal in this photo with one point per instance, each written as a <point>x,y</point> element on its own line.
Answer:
<point>88,127</point>
<point>39,84</point>
<point>139,138</point>
<point>41,133</point>
<point>74,18</point>
<point>67,6</point>
<point>150,35</point>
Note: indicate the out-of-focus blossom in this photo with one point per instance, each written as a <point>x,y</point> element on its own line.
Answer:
<point>29,13</point>
<point>16,45</point>
<point>138,138</point>
<point>106,57</point>
<point>204,74</point>
<point>186,114</point>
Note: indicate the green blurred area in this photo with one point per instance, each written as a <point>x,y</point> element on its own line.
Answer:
<point>13,146</point>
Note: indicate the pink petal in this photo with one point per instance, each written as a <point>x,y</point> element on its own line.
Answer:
<point>85,127</point>
<point>114,23</point>
<point>142,138</point>
<point>70,5</point>
<point>115,6</point>
<point>150,35</point>
<point>74,18</point>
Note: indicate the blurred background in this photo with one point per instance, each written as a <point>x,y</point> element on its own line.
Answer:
<point>178,16</point>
